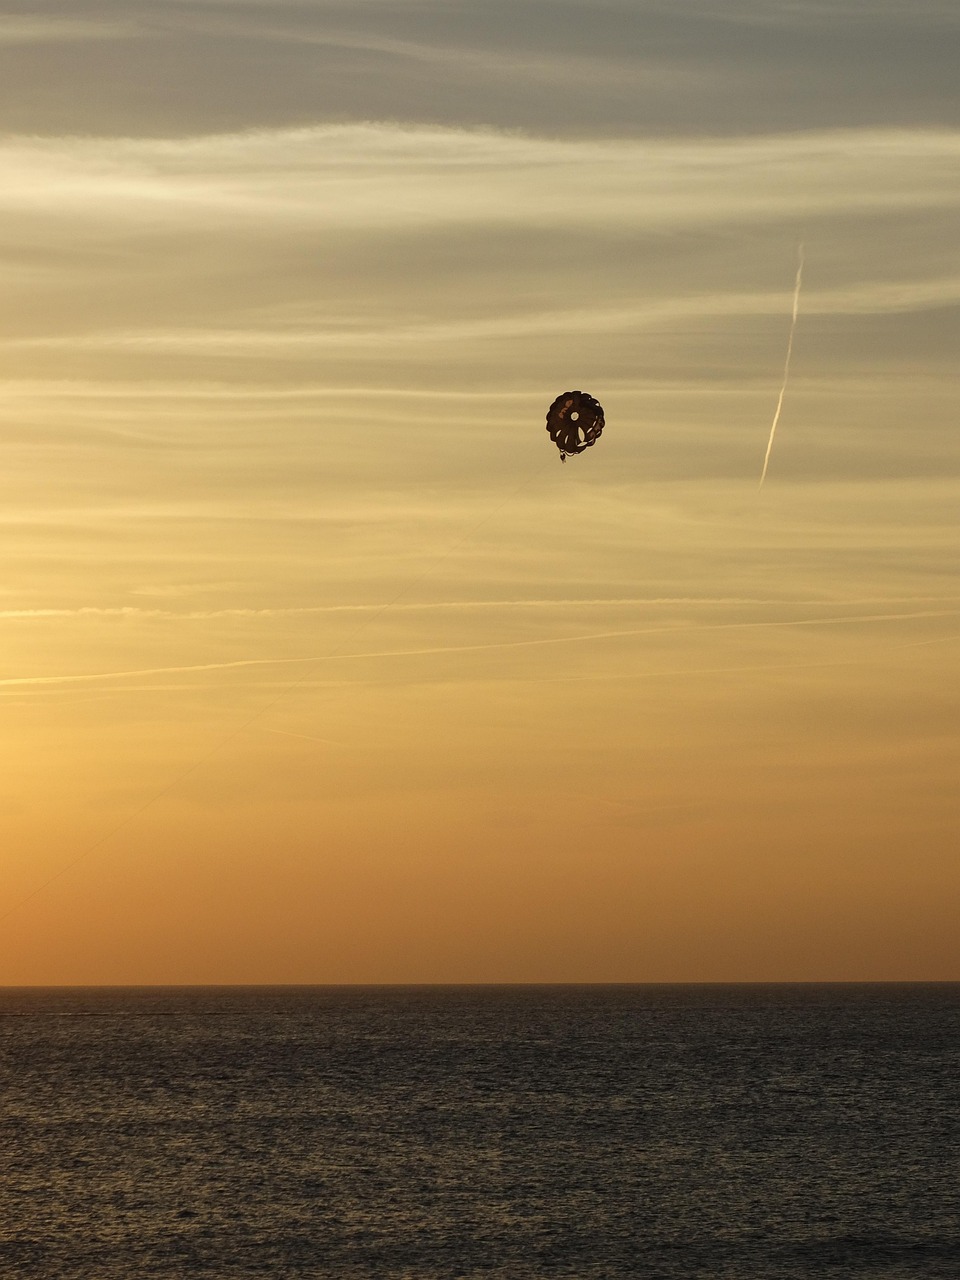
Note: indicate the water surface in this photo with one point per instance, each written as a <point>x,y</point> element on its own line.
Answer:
<point>733,1132</point>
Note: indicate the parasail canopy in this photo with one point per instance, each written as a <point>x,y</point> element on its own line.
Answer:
<point>574,421</point>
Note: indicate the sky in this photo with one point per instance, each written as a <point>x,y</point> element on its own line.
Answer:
<point>315,663</point>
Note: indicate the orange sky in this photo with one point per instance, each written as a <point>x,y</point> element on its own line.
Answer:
<point>316,665</point>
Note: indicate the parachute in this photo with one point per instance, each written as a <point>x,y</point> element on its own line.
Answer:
<point>574,421</point>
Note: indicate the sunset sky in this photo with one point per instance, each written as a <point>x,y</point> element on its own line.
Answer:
<point>315,663</point>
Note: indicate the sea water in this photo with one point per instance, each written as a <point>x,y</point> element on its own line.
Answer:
<point>496,1132</point>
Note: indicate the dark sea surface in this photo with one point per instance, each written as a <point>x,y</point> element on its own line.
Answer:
<point>511,1132</point>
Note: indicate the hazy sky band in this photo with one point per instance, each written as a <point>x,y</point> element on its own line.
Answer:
<point>634,66</point>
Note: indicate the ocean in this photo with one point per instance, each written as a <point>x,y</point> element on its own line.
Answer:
<point>508,1133</point>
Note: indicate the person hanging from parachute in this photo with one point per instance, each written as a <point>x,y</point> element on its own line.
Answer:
<point>574,421</point>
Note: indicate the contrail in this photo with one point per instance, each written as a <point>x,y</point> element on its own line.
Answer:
<point>124,612</point>
<point>433,651</point>
<point>786,363</point>
<point>307,737</point>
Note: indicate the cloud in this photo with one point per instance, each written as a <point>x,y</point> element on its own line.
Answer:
<point>866,298</point>
<point>619,67</point>
<point>382,175</point>
<point>29,29</point>
<point>366,252</point>
<point>529,62</point>
<point>387,242</point>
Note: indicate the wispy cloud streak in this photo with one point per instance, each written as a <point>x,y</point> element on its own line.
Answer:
<point>25,29</point>
<point>347,176</point>
<point>868,298</point>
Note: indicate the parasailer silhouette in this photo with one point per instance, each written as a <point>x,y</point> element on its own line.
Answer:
<point>574,421</point>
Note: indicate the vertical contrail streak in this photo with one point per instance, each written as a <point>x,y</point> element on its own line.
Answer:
<point>786,363</point>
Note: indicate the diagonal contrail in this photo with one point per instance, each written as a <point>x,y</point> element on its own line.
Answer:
<point>786,363</point>
<point>480,647</point>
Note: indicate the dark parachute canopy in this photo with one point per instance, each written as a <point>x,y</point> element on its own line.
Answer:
<point>574,421</point>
